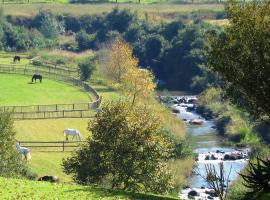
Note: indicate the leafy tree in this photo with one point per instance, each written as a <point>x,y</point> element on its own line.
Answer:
<point>127,150</point>
<point>119,20</point>
<point>138,84</point>
<point>86,68</point>
<point>117,60</point>
<point>47,24</point>
<point>154,45</point>
<point>171,29</point>
<point>180,63</point>
<point>11,163</point>
<point>85,41</point>
<point>241,55</point>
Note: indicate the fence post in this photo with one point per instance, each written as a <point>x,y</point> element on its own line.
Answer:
<point>63,145</point>
<point>73,106</point>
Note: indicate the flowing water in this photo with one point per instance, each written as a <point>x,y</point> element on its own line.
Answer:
<point>207,142</point>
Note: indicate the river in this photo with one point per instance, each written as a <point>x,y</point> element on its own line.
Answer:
<point>206,141</point>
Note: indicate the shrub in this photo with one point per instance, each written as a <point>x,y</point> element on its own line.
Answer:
<point>11,163</point>
<point>127,150</point>
<point>86,68</point>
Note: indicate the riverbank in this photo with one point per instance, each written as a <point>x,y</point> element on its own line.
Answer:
<point>233,124</point>
<point>208,146</point>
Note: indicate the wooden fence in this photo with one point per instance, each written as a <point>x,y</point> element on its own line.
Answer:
<point>51,145</point>
<point>73,110</point>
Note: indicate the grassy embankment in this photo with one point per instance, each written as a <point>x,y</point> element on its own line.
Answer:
<point>25,189</point>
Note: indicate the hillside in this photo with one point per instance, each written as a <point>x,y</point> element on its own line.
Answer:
<point>24,189</point>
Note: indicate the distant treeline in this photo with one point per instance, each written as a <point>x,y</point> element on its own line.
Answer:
<point>172,50</point>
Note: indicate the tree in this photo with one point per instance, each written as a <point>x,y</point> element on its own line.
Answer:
<point>119,20</point>
<point>216,179</point>
<point>241,55</point>
<point>47,24</point>
<point>86,68</point>
<point>257,177</point>
<point>11,163</point>
<point>138,83</point>
<point>117,59</point>
<point>127,150</point>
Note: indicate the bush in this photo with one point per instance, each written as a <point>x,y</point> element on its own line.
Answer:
<point>127,150</point>
<point>86,68</point>
<point>11,163</point>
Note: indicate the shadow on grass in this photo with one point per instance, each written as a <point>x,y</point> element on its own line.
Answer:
<point>102,192</point>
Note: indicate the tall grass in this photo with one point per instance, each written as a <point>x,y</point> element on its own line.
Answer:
<point>231,122</point>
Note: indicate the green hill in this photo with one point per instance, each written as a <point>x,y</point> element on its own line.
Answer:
<point>25,189</point>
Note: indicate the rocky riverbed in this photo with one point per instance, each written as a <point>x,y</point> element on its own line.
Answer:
<point>208,148</point>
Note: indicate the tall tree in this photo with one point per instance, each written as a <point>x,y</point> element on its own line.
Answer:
<point>117,59</point>
<point>11,163</point>
<point>138,84</point>
<point>127,150</point>
<point>241,55</point>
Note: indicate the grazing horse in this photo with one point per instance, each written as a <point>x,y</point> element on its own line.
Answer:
<point>24,151</point>
<point>72,132</point>
<point>36,76</point>
<point>52,179</point>
<point>16,58</point>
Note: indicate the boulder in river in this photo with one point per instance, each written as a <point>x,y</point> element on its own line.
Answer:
<point>196,122</point>
<point>175,110</point>
<point>193,193</point>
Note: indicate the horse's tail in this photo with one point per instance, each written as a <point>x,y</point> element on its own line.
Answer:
<point>79,135</point>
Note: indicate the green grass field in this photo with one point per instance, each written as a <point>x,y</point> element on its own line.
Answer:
<point>18,90</point>
<point>83,9</point>
<point>36,190</point>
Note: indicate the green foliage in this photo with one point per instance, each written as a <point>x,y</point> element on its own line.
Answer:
<point>86,68</point>
<point>127,150</point>
<point>181,148</point>
<point>47,24</point>
<point>85,41</point>
<point>241,55</point>
<point>231,122</point>
<point>257,178</point>
<point>11,163</point>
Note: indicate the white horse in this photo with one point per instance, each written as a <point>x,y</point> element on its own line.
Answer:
<point>72,132</point>
<point>23,150</point>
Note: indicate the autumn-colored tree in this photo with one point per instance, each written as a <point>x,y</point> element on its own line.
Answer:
<point>118,59</point>
<point>138,83</point>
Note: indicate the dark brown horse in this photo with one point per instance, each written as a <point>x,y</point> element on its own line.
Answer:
<point>52,179</point>
<point>35,77</point>
<point>16,58</point>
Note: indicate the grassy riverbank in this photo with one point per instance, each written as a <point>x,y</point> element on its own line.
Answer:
<point>233,124</point>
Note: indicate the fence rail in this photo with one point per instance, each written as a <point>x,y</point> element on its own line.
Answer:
<point>72,110</point>
<point>52,145</point>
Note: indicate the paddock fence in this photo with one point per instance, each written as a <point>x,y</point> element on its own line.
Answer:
<point>72,110</point>
<point>41,146</point>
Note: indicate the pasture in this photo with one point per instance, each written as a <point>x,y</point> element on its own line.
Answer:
<point>83,9</point>
<point>18,90</point>
<point>25,189</point>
